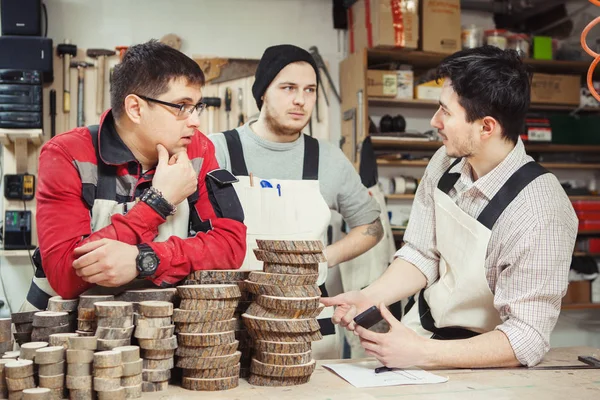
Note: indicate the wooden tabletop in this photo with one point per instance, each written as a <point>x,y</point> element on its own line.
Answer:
<point>462,385</point>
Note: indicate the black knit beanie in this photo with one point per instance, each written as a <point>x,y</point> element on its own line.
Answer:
<point>275,59</point>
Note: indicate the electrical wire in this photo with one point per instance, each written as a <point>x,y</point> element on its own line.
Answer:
<point>25,241</point>
<point>592,53</point>
<point>45,19</point>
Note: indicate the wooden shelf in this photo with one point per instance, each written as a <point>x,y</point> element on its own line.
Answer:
<point>581,306</point>
<point>400,196</point>
<point>7,136</point>
<point>402,163</point>
<point>569,166</point>
<point>561,148</point>
<point>585,254</point>
<point>15,253</point>
<point>588,232</point>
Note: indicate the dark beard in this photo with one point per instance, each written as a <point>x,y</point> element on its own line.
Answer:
<point>277,128</point>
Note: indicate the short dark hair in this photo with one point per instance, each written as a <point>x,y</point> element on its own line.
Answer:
<point>490,82</point>
<point>147,69</point>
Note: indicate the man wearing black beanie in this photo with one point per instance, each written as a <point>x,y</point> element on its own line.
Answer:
<point>289,182</point>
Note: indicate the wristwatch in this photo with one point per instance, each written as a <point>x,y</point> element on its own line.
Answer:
<point>154,198</point>
<point>147,261</point>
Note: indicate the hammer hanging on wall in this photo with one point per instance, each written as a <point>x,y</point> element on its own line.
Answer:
<point>81,66</point>
<point>101,55</point>
<point>66,50</point>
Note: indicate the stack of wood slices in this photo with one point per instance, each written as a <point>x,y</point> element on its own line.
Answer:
<point>86,313</point>
<point>23,326</point>
<point>80,356</point>
<point>58,304</point>
<point>6,337</point>
<point>282,320</point>
<point>46,323</point>
<point>114,324</point>
<point>208,351</point>
<point>156,336</point>
<point>236,277</point>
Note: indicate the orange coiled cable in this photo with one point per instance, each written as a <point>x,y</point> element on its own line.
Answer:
<point>592,53</point>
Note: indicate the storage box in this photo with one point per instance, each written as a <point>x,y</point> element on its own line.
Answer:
<point>555,89</point>
<point>542,48</point>
<point>440,26</point>
<point>384,23</point>
<point>405,84</point>
<point>382,83</point>
<point>431,90</point>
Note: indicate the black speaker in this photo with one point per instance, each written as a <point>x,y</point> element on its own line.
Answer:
<point>27,53</point>
<point>21,17</point>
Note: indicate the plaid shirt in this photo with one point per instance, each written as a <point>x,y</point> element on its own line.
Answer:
<point>529,253</point>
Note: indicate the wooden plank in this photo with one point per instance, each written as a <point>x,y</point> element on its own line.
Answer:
<point>353,79</point>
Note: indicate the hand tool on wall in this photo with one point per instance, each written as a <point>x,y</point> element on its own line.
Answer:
<point>241,107</point>
<point>66,50</point>
<point>350,115</point>
<point>314,52</point>
<point>211,104</point>
<point>52,113</point>
<point>121,50</point>
<point>101,55</point>
<point>228,105</point>
<point>81,66</point>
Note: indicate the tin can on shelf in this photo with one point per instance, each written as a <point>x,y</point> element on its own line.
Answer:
<point>520,43</point>
<point>472,36</point>
<point>496,37</point>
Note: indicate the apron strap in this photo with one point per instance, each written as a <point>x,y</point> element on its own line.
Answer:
<point>310,170</point>
<point>37,297</point>
<point>507,193</point>
<point>428,323</point>
<point>448,180</point>
<point>236,153</point>
<point>107,174</point>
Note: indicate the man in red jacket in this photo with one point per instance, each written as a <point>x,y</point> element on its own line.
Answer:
<point>138,200</point>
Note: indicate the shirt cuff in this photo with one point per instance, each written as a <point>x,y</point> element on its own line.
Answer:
<point>426,265</point>
<point>527,343</point>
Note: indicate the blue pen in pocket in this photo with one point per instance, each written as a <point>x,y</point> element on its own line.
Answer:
<point>279,189</point>
<point>265,184</point>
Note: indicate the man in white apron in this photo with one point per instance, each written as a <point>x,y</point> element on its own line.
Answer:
<point>490,238</point>
<point>296,179</point>
<point>141,195</point>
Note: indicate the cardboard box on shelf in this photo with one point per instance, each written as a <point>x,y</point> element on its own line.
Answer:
<point>375,23</point>
<point>382,83</point>
<point>440,26</point>
<point>429,90</point>
<point>555,89</point>
<point>405,84</point>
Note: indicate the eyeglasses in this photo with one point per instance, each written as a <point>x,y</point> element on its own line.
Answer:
<point>182,108</point>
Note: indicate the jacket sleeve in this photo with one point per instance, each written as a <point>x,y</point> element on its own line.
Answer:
<point>221,247</point>
<point>64,222</point>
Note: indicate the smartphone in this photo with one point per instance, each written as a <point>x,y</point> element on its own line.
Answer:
<point>369,317</point>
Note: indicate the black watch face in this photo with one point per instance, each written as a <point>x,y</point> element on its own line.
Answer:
<point>148,263</point>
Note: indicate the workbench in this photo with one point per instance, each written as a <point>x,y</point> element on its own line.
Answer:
<point>463,384</point>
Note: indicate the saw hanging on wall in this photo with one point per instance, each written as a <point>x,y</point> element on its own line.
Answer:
<point>218,70</point>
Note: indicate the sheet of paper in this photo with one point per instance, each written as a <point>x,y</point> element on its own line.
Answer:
<point>362,374</point>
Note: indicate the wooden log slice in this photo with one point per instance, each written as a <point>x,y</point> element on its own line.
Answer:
<point>284,336</point>
<point>25,327</point>
<point>80,356</point>
<point>289,258</point>
<point>81,394</point>
<point>218,276</point>
<point>117,394</point>
<point>12,354</point>
<point>119,322</point>
<point>37,394</point>
<point>85,333</point>
<point>206,339</point>
<point>43,334</point>
<point>19,384</point>
<point>209,362</point>
<point>163,332</point>
<point>211,351</point>
<point>81,369</point>
<point>211,384</point>
<point>132,368</point>
<point>107,344</point>
<point>282,291</point>
<point>291,246</point>
<point>284,359</point>
<point>52,382</point>
<point>259,380</point>
<point>113,309</point>
<point>282,371</point>
<point>78,382</point>
<point>140,320</point>
<point>50,355</point>
<point>28,349</point>
<point>156,375</point>
<point>154,309</point>
<point>207,327</point>
<point>137,296</point>
<point>61,339</point>
<point>86,325</point>
<point>21,338</point>
<point>133,392</point>
<point>114,333</point>
<point>281,325</point>
<point>86,314</point>
<point>213,291</point>
<point>194,316</point>
<point>155,386</point>
<point>283,279</point>
<point>57,303</point>
<point>297,269</point>
<point>7,346</point>
<point>165,364</point>
<point>257,310</point>
<point>106,384</point>
<point>157,354</point>
<point>212,373</point>
<point>110,372</point>
<point>5,329</point>
<point>210,304</point>
<point>105,359</point>
<point>83,343</point>
<point>44,319</point>
<point>88,301</point>
<point>159,344</point>
<point>22,317</point>
<point>129,353</point>
<point>133,380</point>
<point>18,369</point>
<point>52,369</point>
<point>289,303</point>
